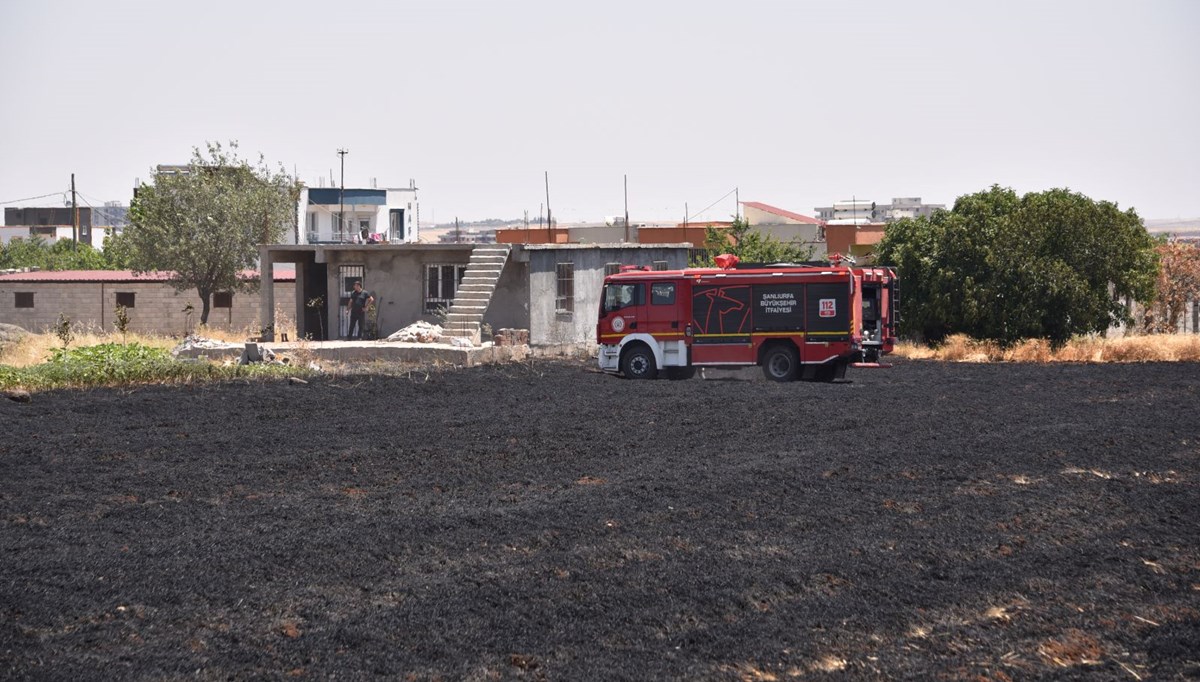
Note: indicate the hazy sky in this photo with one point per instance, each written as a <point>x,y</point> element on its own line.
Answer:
<point>796,103</point>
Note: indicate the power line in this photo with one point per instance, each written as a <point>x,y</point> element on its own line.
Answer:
<point>701,211</point>
<point>40,196</point>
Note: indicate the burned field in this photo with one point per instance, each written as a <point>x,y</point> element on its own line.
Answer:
<point>932,521</point>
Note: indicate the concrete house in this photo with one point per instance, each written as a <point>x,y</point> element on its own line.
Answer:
<point>553,290</point>
<point>371,215</point>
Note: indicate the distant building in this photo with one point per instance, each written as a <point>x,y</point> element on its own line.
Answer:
<point>784,225</point>
<point>383,215</point>
<point>468,235</point>
<point>58,222</point>
<point>863,212</point>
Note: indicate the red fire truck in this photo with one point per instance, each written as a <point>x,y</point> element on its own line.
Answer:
<point>806,322</point>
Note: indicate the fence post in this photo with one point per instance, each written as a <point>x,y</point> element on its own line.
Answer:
<point>1196,316</point>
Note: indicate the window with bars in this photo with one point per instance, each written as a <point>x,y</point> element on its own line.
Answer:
<point>223,299</point>
<point>660,265</point>
<point>441,283</point>
<point>611,269</point>
<point>23,299</point>
<point>127,299</point>
<point>564,298</point>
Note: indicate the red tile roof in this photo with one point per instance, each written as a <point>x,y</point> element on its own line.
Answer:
<point>781,212</point>
<point>125,276</point>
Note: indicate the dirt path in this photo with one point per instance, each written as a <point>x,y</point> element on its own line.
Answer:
<point>545,521</point>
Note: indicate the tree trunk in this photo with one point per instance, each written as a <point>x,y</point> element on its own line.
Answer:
<point>205,298</point>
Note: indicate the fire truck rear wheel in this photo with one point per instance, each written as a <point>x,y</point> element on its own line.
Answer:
<point>780,363</point>
<point>638,363</point>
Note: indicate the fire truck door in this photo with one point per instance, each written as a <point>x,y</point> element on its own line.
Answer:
<point>666,320</point>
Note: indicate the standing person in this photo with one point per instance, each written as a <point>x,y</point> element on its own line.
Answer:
<point>357,305</point>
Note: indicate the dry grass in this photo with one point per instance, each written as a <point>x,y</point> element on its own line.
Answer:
<point>37,348</point>
<point>1150,348</point>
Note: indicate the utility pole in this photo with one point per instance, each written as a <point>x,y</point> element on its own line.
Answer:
<point>549,218</point>
<point>626,208</point>
<point>342,196</point>
<point>74,217</point>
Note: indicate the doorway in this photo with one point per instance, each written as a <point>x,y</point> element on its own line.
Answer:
<point>316,301</point>
<point>347,276</point>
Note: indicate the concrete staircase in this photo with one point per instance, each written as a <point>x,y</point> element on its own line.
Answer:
<point>474,293</point>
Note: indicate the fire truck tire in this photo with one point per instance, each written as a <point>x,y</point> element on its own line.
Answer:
<point>781,363</point>
<point>638,363</point>
<point>677,373</point>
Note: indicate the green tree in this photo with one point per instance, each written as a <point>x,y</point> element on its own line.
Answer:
<point>750,245</point>
<point>65,254</point>
<point>203,225</point>
<point>118,252</point>
<point>22,252</point>
<point>1004,267</point>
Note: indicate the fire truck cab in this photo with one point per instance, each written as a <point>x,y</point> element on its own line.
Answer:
<point>795,321</point>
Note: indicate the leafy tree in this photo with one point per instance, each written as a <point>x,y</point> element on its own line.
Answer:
<point>65,254</point>
<point>203,225</point>
<point>118,252</point>
<point>1005,267</point>
<point>21,252</point>
<point>750,245</point>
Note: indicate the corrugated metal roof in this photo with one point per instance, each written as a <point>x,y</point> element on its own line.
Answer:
<point>125,276</point>
<point>781,212</point>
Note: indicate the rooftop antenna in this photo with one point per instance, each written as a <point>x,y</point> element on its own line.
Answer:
<point>549,218</point>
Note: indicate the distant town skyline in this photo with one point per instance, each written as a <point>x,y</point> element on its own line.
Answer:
<point>798,104</point>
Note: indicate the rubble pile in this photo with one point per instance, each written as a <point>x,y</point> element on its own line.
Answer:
<point>194,342</point>
<point>419,332</point>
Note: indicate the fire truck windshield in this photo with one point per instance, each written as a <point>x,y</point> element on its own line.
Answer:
<point>617,296</point>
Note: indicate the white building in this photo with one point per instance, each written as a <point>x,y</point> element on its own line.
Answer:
<point>786,226</point>
<point>371,215</point>
<point>863,212</point>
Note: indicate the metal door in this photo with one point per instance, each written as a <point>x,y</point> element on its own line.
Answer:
<point>347,276</point>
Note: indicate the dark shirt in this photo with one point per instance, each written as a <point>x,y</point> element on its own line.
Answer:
<point>358,300</point>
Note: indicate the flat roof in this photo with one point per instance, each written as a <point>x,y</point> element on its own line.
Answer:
<point>123,276</point>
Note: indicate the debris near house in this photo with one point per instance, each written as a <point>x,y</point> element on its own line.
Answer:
<point>418,332</point>
<point>196,342</point>
<point>511,337</point>
<point>257,353</point>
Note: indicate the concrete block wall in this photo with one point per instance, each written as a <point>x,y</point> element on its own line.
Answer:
<point>158,308</point>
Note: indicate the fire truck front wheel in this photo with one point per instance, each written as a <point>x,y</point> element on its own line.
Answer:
<point>638,363</point>
<point>781,362</point>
